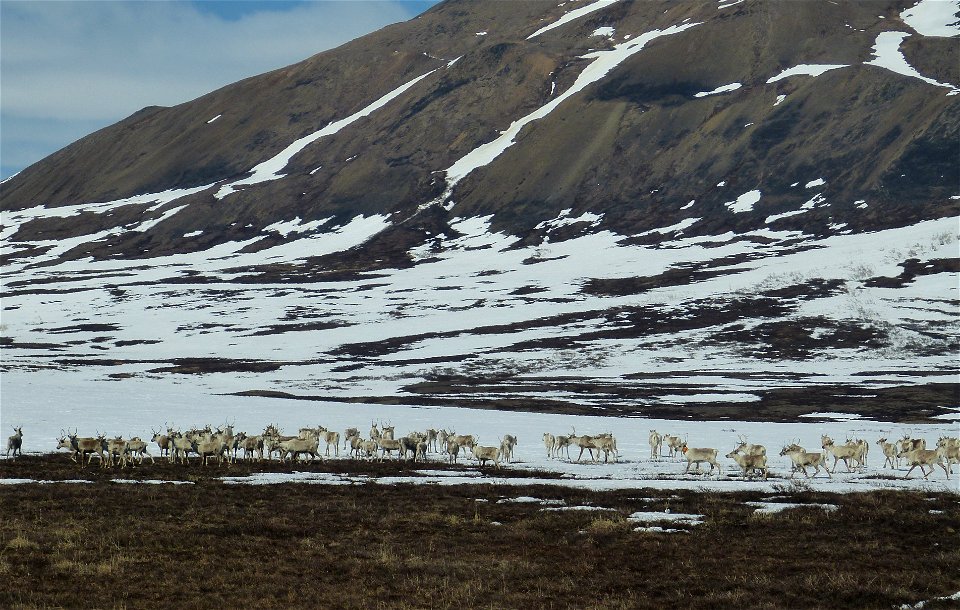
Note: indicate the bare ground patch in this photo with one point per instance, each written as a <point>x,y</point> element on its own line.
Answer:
<point>408,546</point>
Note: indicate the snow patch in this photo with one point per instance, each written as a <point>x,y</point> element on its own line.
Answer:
<point>296,225</point>
<point>769,508</point>
<point>573,15</point>
<point>605,31</point>
<point>531,500</point>
<point>805,70</point>
<point>720,89</point>
<point>744,203</point>
<point>584,508</point>
<point>604,62</point>
<point>933,18</point>
<point>813,202</point>
<point>776,217</point>
<point>887,55</point>
<point>271,168</point>
<point>831,415</point>
<point>923,604</point>
<point>661,517</point>
<point>149,482</point>
<point>955,416</point>
<point>564,219</point>
<point>680,226</point>
<point>707,397</point>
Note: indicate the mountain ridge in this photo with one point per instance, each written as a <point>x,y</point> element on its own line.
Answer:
<point>646,188</point>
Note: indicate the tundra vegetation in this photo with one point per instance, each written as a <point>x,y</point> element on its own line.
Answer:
<point>212,544</point>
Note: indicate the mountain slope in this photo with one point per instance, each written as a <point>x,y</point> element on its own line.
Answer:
<point>747,199</point>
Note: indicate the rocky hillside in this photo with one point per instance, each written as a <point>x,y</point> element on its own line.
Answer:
<point>576,197</point>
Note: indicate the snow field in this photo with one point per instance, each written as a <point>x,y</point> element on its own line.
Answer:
<point>91,406</point>
<point>477,280</point>
<point>473,282</point>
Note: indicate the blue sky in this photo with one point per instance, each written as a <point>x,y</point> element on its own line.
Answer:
<point>69,68</point>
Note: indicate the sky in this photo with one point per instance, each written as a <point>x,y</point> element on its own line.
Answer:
<point>71,67</point>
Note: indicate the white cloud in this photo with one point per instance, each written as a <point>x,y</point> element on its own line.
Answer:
<point>95,63</point>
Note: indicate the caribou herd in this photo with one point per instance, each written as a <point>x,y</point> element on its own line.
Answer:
<point>224,446</point>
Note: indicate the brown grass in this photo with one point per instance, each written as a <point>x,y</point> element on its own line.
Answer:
<point>405,546</point>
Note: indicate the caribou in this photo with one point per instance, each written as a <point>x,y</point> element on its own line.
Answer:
<point>295,447</point>
<point>442,437</point>
<point>453,449</point>
<point>656,443</point>
<point>909,444</point>
<point>601,442</point>
<point>562,442</point>
<point>485,454</point>
<point>408,444</point>
<point>924,457</point>
<point>889,452</point>
<point>348,435</point>
<point>506,447</point>
<point>181,447</point>
<point>864,448</point>
<point>549,441</point>
<point>748,448</point>
<point>801,459</point>
<point>208,450</point>
<point>137,449</point>
<point>331,438</point>
<point>369,448</point>
<point>252,446</point>
<point>116,449</point>
<point>356,444</point>
<point>698,456</point>
<point>83,447</point>
<point>464,440</point>
<point>847,453</point>
<point>608,445</point>
<point>387,445</point>
<point>586,444</point>
<point>15,442</point>
<point>749,463</point>
<point>949,449</point>
<point>674,445</point>
<point>431,439</point>
<point>162,441</point>
<point>421,453</point>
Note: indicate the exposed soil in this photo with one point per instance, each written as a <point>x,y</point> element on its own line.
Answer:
<point>902,404</point>
<point>207,544</point>
<point>59,467</point>
<point>914,267</point>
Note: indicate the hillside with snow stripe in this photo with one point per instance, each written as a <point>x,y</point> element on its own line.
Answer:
<point>716,212</point>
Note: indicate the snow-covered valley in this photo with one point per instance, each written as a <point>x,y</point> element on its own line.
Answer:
<point>720,319</point>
